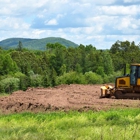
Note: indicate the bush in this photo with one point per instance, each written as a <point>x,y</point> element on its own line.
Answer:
<point>36,80</point>
<point>106,79</point>
<point>24,80</point>
<point>79,78</point>
<point>46,81</point>
<point>93,78</point>
<point>8,85</point>
<point>71,78</point>
<point>112,77</point>
<point>100,71</point>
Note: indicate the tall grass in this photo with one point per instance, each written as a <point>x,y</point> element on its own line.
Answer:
<point>110,125</point>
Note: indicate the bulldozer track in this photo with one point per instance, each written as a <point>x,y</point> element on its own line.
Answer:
<point>120,95</point>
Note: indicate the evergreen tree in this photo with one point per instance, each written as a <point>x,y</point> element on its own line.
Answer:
<point>20,46</point>
<point>9,66</point>
<point>107,63</point>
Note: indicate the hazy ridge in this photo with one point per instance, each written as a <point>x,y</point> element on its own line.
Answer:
<point>36,44</point>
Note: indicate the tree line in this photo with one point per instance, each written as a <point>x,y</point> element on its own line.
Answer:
<point>21,68</point>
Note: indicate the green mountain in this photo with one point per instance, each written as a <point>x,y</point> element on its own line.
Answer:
<point>35,44</point>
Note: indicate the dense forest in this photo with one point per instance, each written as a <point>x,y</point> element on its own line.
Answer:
<point>21,68</point>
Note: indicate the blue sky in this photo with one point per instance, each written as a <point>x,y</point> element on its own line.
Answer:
<point>97,22</point>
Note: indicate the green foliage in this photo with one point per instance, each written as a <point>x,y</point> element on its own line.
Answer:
<point>35,79</point>
<point>46,81</point>
<point>112,77</point>
<point>122,124</point>
<point>1,64</point>
<point>93,78</point>
<point>19,74</point>
<point>59,64</point>
<point>107,79</point>
<point>107,63</point>
<point>24,82</point>
<point>100,71</point>
<point>9,84</point>
<point>20,46</point>
<point>78,68</point>
<point>71,78</point>
<point>124,53</point>
<point>9,66</point>
<point>63,69</point>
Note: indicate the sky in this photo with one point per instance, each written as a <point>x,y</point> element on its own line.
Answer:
<point>97,22</point>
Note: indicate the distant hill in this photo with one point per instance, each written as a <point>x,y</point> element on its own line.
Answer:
<point>35,44</point>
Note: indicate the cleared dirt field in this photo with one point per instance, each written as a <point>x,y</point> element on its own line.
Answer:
<point>61,98</point>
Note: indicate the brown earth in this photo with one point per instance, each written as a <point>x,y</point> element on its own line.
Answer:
<point>61,98</point>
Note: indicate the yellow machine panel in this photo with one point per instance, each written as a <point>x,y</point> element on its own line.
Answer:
<point>123,82</point>
<point>138,81</point>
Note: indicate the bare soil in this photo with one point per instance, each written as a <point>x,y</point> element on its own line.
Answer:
<point>61,98</point>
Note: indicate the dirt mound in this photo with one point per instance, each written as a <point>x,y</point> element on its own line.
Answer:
<point>63,97</point>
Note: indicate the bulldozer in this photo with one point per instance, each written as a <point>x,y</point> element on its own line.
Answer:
<point>126,86</point>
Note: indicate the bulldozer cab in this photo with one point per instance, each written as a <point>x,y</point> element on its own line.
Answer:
<point>133,79</point>
<point>135,74</point>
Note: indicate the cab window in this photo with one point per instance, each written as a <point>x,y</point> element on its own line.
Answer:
<point>133,75</point>
<point>138,72</point>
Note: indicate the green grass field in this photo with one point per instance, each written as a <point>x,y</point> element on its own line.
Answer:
<point>110,125</point>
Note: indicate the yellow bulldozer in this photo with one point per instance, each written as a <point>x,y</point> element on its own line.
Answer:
<point>126,86</point>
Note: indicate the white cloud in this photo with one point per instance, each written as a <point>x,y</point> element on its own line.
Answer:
<point>129,25</point>
<point>96,22</point>
<point>131,1</point>
<point>9,23</point>
<point>120,10</point>
<point>51,22</point>
<point>96,2</point>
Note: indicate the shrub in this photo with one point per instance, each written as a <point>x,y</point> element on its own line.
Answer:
<point>93,78</point>
<point>71,78</point>
<point>24,80</point>
<point>112,77</point>
<point>36,80</point>
<point>106,79</point>
<point>9,85</point>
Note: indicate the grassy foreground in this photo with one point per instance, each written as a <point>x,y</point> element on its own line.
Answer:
<point>109,125</point>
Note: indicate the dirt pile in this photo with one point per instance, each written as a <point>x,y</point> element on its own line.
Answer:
<point>63,98</point>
